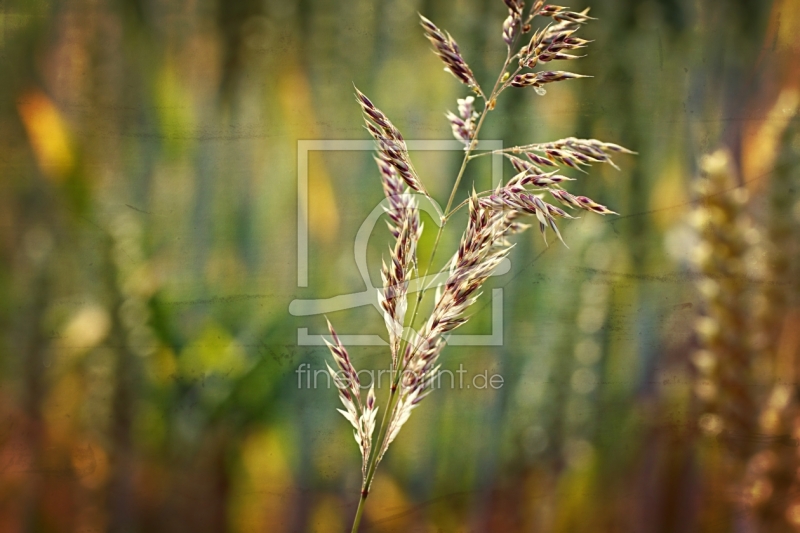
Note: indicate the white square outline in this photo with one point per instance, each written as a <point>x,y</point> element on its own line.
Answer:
<point>495,338</point>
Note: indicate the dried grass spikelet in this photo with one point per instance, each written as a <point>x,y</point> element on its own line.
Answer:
<point>550,44</point>
<point>574,152</point>
<point>512,25</point>
<point>361,415</point>
<point>404,225</point>
<point>483,246</point>
<point>724,361</point>
<point>463,124</point>
<point>448,51</point>
<point>390,143</point>
<point>514,197</point>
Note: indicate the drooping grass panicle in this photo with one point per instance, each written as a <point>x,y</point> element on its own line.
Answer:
<point>447,49</point>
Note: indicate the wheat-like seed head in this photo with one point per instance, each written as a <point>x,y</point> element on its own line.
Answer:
<point>725,361</point>
<point>770,484</point>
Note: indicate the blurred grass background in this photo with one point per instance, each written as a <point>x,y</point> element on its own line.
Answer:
<point>148,234</point>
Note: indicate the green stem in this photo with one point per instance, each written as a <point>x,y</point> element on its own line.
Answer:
<point>373,462</point>
<point>359,512</point>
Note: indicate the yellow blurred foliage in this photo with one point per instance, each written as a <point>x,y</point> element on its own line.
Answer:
<point>761,137</point>
<point>789,23</point>
<point>86,329</point>
<point>259,496</point>
<point>328,517</point>
<point>61,406</point>
<point>576,494</point>
<point>296,103</point>
<point>48,135</point>
<point>668,192</point>
<point>761,142</point>
<point>387,501</point>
